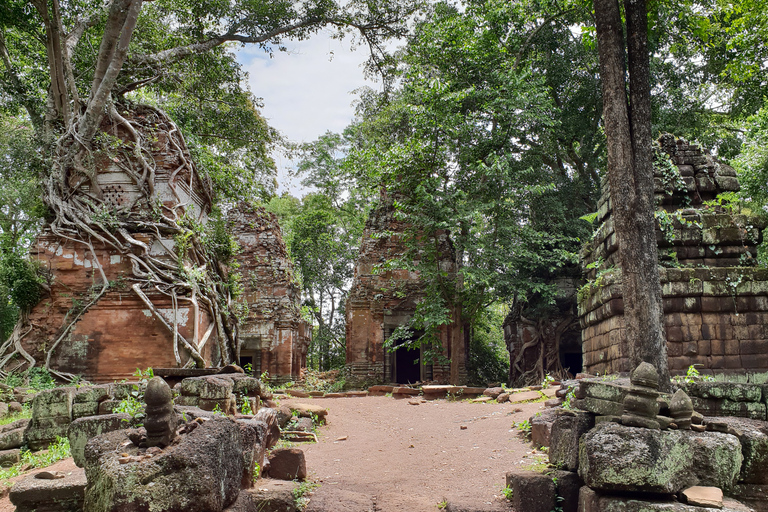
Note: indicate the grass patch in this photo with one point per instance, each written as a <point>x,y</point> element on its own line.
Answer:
<point>300,494</point>
<point>42,459</point>
<point>26,413</point>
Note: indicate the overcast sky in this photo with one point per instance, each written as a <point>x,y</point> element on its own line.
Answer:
<point>307,90</point>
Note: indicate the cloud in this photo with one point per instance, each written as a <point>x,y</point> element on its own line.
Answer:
<point>307,90</point>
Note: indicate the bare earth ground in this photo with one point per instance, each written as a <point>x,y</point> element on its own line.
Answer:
<point>410,458</point>
<point>406,458</point>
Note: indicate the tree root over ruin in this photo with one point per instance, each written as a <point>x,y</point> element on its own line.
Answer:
<point>82,215</point>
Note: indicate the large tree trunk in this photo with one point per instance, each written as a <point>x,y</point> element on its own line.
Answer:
<point>630,174</point>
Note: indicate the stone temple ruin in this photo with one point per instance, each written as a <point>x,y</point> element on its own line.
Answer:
<point>382,300</point>
<point>274,338</point>
<point>715,299</point>
<point>104,333</point>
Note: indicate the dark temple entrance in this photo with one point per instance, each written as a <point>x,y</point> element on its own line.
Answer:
<point>405,365</point>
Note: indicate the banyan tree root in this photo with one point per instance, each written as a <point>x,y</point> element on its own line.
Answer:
<point>72,193</point>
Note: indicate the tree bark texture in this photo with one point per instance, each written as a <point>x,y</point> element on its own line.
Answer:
<point>630,175</point>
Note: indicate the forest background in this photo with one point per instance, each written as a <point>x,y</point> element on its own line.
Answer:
<point>487,125</point>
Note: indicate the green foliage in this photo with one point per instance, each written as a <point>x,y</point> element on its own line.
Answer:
<point>26,412</point>
<point>36,378</point>
<point>508,493</point>
<point>524,427</point>
<point>300,494</point>
<point>134,404</point>
<point>488,359</point>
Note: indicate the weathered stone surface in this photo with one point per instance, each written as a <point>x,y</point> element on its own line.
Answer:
<point>308,410</point>
<point>592,501</point>
<point>614,457</point>
<point>611,390</point>
<point>245,385</point>
<point>202,471</point>
<point>599,407</point>
<point>403,390</point>
<point>531,492</point>
<point>703,496</point>
<point>567,487</point>
<point>9,457</point>
<point>83,429</point>
<point>503,398</point>
<point>269,496</point>
<point>734,391</point>
<point>541,426</point>
<point>493,392</point>
<point>43,495</point>
<point>287,464</point>
<point>160,419</point>
<point>681,409</point>
<point>725,407</point>
<point>269,417</point>
<point>209,387</point>
<point>567,429</point>
<point>12,439</point>
<point>254,434</point>
<point>753,436</point>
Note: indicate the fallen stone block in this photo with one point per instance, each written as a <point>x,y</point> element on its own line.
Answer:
<point>531,492</point>
<point>287,464</point>
<point>612,391</point>
<point>254,434</point>
<point>200,472</point>
<point>12,439</point>
<point>268,496</point>
<point>209,387</point>
<point>567,430</point>
<point>309,410</point>
<point>493,392</point>
<point>108,406</point>
<point>53,402</point>
<point>245,385</point>
<point>10,457</point>
<point>541,426</point>
<point>753,436</point>
<point>41,494</point>
<point>599,407</point>
<point>615,458</point>
<point>83,429</point>
<point>122,390</point>
<point>592,501</point>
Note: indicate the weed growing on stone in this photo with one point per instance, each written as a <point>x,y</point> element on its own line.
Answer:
<point>525,428</point>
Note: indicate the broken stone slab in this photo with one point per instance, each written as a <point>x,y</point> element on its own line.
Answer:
<point>524,396</point>
<point>269,417</point>
<point>254,434</point>
<point>482,399</point>
<point>201,472</point>
<point>531,491</point>
<point>405,391</point>
<point>226,406</point>
<point>10,457</point>
<point>245,385</point>
<point>703,496</point>
<point>593,501</point>
<point>567,430</point>
<point>287,464</point>
<point>357,394</point>
<point>122,390</point>
<point>267,496</point>
<point>616,458</point>
<point>541,426</point>
<point>734,391</point>
<point>474,506</point>
<point>297,393</point>
<point>83,429</point>
<point>108,406</point>
<point>502,398</point>
<point>87,399</point>
<point>37,494</point>
<point>725,407</point>
<point>753,436</point>
<point>380,388</point>
<point>41,432</point>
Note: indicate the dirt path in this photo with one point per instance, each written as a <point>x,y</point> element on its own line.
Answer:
<point>409,458</point>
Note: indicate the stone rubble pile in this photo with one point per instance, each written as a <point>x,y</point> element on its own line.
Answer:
<point>623,446</point>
